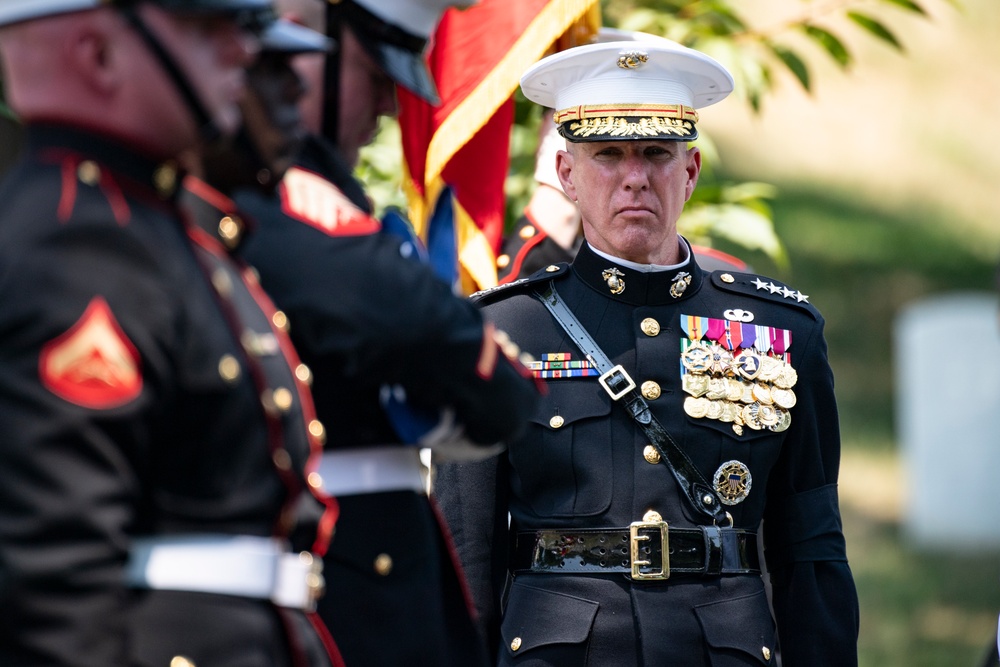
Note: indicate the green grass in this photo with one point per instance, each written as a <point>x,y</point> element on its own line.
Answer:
<point>860,267</point>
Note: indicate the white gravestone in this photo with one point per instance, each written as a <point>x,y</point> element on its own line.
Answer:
<point>947,358</point>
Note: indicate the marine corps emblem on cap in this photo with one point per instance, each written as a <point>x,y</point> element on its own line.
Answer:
<point>632,59</point>
<point>627,90</point>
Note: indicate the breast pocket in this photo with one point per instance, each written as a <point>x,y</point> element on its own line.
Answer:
<point>561,467</point>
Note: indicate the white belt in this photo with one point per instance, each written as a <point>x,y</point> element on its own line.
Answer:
<point>372,470</point>
<point>242,565</point>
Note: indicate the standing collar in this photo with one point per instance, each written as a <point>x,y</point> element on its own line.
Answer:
<point>638,284</point>
<point>159,179</point>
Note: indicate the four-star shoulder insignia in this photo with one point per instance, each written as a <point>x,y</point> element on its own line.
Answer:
<point>506,289</point>
<point>316,201</point>
<point>93,364</point>
<point>777,288</point>
<point>760,286</point>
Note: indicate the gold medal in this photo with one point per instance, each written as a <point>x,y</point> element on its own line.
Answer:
<point>769,368</point>
<point>696,407</point>
<point>747,396</point>
<point>721,361</point>
<point>783,398</point>
<point>767,415</point>
<point>747,364</point>
<point>749,415</point>
<point>729,412</point>
<point>734,390</point>
<point>696,358</point>
<point>696,385</point>
<point>714,409</point>
<point>717,388</point>
<point>762,393</point>
<point>733,482</point>
<point>784,421</point>
<point>786,378</point>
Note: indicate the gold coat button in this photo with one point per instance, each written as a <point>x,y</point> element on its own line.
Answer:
<point>556,421</point>
<point>165,179</point>
<point>222,283</point>
<point>503,261</point>
<point>317,430</point>
<point>649,326</point>
<point>728,278</point>
<point>515,643</point>
<point>526,232</point>
<point>651,454</point>
<point>551,268</point>
<point>230,230</point>
<point>282,460</point>
<point>283,399</point>
<point>383,564</point>
<point>766,652</point>
<point>181,661</point>
<point>88,172</point>
<point>303,374</point>
<point>229,368</point>
<point>280,320</point>
<point>650,390</point>
<point>314,480</point>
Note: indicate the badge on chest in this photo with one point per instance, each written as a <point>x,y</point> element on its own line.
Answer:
<point>737,372</point>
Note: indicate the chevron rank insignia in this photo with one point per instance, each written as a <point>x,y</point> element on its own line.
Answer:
<point>316,201</point>
<point>93,364</point>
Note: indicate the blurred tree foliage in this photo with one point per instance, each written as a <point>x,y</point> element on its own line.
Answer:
<point>737,212</point>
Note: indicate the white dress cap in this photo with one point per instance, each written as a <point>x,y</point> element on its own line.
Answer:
<point>637,88</point>
<point>14,11</point>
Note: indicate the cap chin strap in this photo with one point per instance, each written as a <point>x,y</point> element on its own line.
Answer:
<point>330,116</point>
<point>208,131</point>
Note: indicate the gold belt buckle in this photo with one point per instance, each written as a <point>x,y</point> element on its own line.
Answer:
<point>651,521</point>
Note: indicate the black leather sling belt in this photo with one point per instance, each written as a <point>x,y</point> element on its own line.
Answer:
<point>707,550</point>
<point>620,386</point>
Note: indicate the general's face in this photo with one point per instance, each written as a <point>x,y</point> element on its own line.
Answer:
<point>213,53</point>
<point>630,194</point>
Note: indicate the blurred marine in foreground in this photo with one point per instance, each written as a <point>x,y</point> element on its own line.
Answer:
<point>155,436</point>
<point>397,361</point>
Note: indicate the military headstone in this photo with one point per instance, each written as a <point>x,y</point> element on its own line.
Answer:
<point>947,358</point>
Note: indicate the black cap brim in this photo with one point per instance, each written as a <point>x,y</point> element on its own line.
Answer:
<point>406,68</point>
<point>284,36</point>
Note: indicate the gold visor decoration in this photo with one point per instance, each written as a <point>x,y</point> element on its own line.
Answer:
<point>628,120</point>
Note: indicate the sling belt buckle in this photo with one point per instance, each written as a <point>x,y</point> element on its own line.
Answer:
<point>616,373</point>
<point>648,523</point>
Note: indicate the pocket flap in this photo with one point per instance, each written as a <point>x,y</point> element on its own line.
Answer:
<point>536,617</point>
<point>572,400</point>
<point>743,624</point>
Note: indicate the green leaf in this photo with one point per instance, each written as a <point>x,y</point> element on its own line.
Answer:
<point>875,28</point>
<point>793,63</point>
<point>907,4</point>
<point>737,224</point>
<point>830,43</point>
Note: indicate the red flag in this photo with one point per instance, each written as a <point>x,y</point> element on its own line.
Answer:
<point>477,58</point>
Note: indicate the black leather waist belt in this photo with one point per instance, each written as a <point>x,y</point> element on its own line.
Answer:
<point>646,550</point>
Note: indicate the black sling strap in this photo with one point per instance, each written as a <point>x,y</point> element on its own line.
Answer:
<point>622,390</point>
